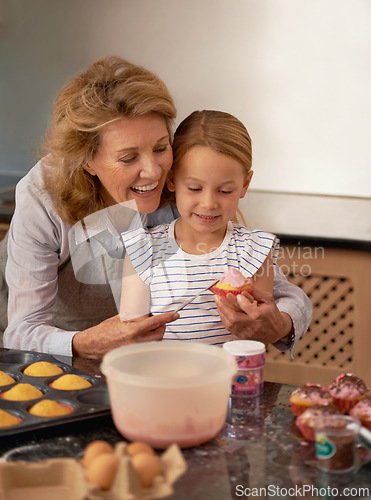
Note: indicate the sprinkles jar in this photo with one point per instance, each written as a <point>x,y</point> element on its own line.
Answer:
<point>250,358</point>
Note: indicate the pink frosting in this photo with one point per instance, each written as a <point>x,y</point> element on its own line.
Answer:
<point>347,386</point>
<point>313,394</point>
<point>309,415</point>
<point>362,409</point>
<point>234,278</point>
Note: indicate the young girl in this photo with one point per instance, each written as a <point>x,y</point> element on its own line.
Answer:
<point>211,172</point>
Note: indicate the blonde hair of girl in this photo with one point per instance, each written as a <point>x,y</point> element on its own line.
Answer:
<point>217,130</point>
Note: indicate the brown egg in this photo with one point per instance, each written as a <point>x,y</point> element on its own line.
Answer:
<point>102,470</point>
<point>147,467</point>
<point>93,450</point>
<point>139,447</point>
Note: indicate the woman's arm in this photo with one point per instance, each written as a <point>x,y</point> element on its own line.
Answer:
<point>292,301</point>
<point>37,244</point>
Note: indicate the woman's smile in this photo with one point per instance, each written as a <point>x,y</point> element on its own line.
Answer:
<point>145,189</point>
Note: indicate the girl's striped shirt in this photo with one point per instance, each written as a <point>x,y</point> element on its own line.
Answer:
<point>174,275</point>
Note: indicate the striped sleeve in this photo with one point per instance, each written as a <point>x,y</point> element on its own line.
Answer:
<point>147,249</point>
<point>253,247</point>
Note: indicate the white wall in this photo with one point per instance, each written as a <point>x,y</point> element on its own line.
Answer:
<point>296,72</point>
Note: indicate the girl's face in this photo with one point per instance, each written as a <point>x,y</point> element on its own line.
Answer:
<point>208,186</point>
<point>133,160</point>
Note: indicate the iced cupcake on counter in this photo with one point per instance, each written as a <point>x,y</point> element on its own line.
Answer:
<point>307,396</point>
<point>346,390</point>
<point>305,421</point>
<point>362,411</point>
<point>232,281</point>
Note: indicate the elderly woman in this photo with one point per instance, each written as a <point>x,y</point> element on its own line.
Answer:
<point>109,143</point>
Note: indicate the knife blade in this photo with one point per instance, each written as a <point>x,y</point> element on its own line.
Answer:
<point>191,299</point>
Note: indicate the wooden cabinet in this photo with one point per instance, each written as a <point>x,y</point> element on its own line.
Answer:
<point>337,280</point>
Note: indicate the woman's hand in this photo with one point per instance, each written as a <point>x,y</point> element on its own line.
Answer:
<point>96,341</point>
<point>253,316</point>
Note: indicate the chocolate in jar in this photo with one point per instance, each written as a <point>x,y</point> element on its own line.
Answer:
<point>343,457</point>
<point>335,442</point>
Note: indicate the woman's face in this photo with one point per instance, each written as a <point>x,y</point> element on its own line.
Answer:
<point>133,160</point>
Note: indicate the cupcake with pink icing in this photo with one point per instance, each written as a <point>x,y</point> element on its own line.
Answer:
<point>307,396</point>
<point>305,421</point>
<point>362,411</point>
<point>346,390</point>
<point>232,281</point>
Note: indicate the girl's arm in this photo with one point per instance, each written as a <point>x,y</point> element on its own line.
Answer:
<point>135,294</point>
<point>263,279</point>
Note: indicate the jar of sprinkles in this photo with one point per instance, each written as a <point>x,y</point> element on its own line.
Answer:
<point>250,358</point>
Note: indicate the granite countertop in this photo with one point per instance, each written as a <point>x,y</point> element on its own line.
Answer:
<point>259,447</point>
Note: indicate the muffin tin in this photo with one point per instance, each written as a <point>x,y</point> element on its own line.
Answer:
<point>87,403</point>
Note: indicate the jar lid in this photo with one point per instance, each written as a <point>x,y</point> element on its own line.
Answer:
<point>244,347</point>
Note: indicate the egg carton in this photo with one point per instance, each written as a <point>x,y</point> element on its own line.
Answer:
<point>86,403</point>
<point>61,478</point>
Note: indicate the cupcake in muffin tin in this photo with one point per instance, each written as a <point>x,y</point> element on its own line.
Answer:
<point>28,400</point>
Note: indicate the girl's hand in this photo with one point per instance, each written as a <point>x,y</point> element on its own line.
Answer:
<point>253,316</point>
<point>96,341</point>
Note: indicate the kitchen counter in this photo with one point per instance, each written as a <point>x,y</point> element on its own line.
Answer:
<point>264,455</point>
